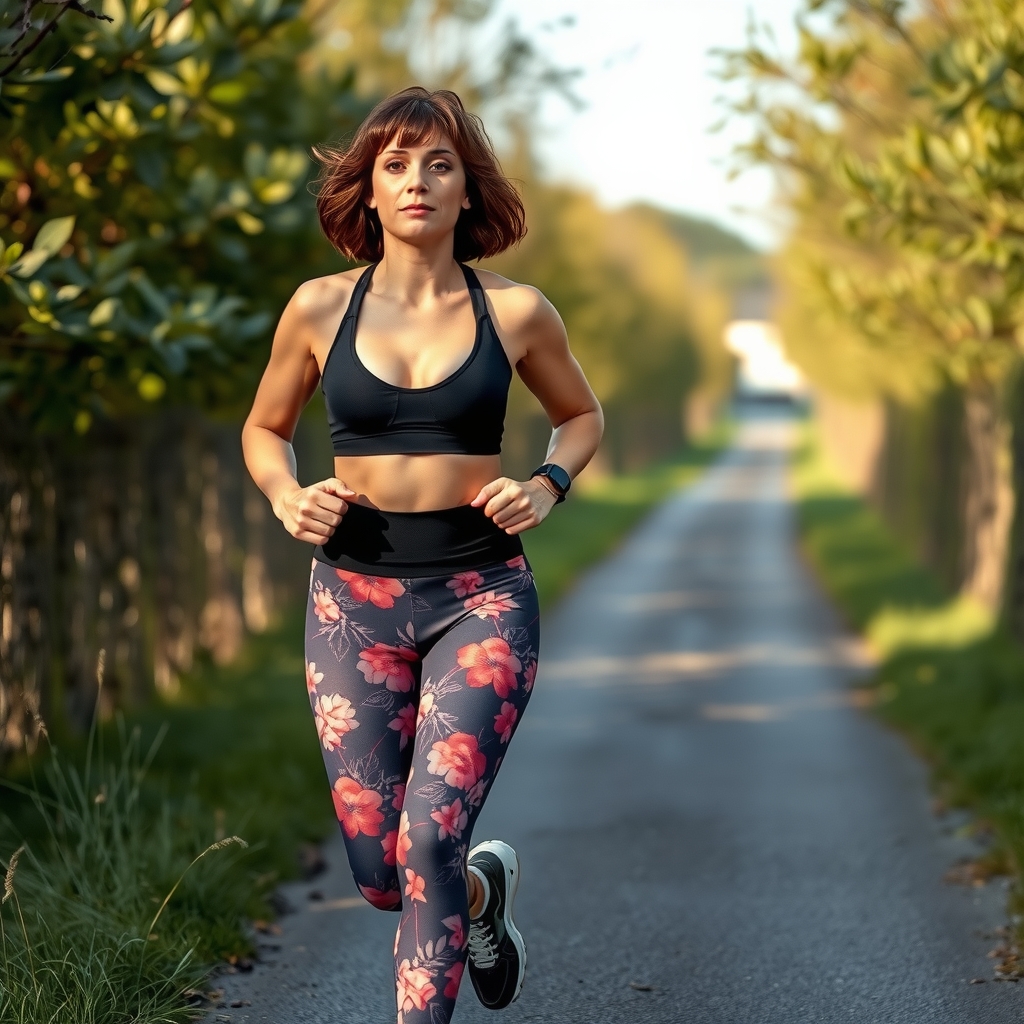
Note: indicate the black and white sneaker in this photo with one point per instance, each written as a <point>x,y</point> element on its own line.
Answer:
<point>497,953</point>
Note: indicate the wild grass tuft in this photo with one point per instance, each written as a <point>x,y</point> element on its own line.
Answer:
<point>105,907</point>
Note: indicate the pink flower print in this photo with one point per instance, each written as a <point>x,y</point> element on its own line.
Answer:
<point>475,797</point>
<point>415,989</point>
<point>415,885</point>
<point>405,723</point>
<point>388,665</point>
<point>326,608</point>
<point>519,562</point>
<point>312,677</point>
<point>454,924</point>
<point>505,720</point>
<point>356,808</point>
<point>454,976</point>
<point>490,663</point>
<point>529,675</point>
<point>489,605</point>
<point>464,583</point>
<point>382,899</point>
<point>426,706</point>
<point>399,796</point>
<point>390,843</point>
<point>335,716</point>
<point>404,842</point>
<point>452,819</point>
<point>458,759</point>
<point>378,590</point>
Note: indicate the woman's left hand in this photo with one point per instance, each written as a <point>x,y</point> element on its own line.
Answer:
<point>515,505</point>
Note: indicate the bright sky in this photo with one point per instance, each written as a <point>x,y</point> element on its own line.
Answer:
<point>650,96</point>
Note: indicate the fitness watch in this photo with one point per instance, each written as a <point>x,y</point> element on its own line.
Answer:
<point>558,476</point>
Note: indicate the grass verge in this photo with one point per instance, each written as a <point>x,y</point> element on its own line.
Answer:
<point>234,754</point>
<point>948,679</point>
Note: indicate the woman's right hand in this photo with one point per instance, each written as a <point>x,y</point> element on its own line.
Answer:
<point>313,513</point>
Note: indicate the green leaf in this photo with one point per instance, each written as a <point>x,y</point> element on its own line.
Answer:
<point>103,313</point>
<point>53,235</point>
<point>228,92</point>
<point>275,192</point>
<point>165,84</point>
<point>30,262</point>
<point>35,77</point>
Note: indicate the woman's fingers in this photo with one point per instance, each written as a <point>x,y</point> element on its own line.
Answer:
<point>522,521</point>
<point>516,507</point>
<point>488,491</point>
<point>509,495</point>
<point>333,485</point>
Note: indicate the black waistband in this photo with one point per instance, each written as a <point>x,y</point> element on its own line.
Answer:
<point>410,544</point>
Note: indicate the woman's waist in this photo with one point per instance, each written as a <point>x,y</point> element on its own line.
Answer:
<point>425,543</point>
<point>417,483</point>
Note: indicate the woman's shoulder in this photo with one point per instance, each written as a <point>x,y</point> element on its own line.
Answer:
<point>323,297</point>
<point>516,306</point>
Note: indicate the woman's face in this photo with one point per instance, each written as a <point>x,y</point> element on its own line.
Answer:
<point>419,191</point>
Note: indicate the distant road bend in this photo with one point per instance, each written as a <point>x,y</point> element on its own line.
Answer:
<point>709,830</point>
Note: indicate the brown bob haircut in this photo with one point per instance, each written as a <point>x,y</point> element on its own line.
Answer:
<point>495,219</point>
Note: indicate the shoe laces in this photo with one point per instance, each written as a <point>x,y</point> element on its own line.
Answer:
<point>483,945</point>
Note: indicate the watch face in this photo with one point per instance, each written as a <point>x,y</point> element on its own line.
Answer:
<point>559,478</point>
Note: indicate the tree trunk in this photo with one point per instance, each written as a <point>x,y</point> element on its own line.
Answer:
<point>988,498</point>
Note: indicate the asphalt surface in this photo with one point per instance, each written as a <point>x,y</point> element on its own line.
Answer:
<point>710,829</point>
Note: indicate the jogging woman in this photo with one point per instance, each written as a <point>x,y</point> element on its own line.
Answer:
<point>422,626</point>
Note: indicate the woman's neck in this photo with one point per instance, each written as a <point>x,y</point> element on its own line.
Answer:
<point>412,276</point>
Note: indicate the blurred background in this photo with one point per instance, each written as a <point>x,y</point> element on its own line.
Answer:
<point>803,201</point>
<point>156,168</point>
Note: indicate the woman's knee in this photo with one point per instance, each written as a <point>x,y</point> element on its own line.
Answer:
<point>381,899</point>
<point>376,876</point>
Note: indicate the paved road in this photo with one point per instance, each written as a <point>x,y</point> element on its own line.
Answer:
<point>710,831</point>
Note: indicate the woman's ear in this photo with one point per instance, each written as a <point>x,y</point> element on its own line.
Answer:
<point>465,202</point>
<point>371,201</point>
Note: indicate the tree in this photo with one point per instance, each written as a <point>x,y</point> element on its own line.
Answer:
<point>898,151</point>
<point>154,207</point>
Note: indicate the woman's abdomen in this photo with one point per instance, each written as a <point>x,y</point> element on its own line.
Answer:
<point>416,483</point>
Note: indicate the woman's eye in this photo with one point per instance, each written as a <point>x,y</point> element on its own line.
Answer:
<point>440,166</point>
<point>393,165</point>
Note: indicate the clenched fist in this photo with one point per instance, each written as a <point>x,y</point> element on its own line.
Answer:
<point>313,513</point>
<point>514,505</point>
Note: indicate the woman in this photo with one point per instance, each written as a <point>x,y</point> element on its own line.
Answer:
<point>422,625</point>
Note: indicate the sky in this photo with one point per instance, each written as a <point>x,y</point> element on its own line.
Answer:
<point>650,92</point>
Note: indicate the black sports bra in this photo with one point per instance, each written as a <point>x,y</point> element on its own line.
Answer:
<point>464,414</point>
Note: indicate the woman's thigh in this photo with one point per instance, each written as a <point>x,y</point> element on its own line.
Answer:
<point>477,677</point>
<point>362,675</point>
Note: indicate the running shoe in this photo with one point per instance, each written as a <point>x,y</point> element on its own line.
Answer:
<point>497,953</point>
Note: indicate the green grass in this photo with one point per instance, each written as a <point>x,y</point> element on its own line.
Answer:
<point>233,754</point>
<point>950,681</point>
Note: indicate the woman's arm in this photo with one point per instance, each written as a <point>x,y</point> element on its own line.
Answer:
<point>551,372</point>
<point>308,513</point>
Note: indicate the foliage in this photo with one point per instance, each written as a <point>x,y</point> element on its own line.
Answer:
<point>153,211</point>
<point>637,321</point>
<point>897,138</point>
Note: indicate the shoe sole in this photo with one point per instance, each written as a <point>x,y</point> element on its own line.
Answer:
<point>505,854</point>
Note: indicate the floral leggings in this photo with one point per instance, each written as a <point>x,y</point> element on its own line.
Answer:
<point>417,686</point>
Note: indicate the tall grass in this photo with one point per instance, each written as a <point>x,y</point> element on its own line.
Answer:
<point>105,906</point>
